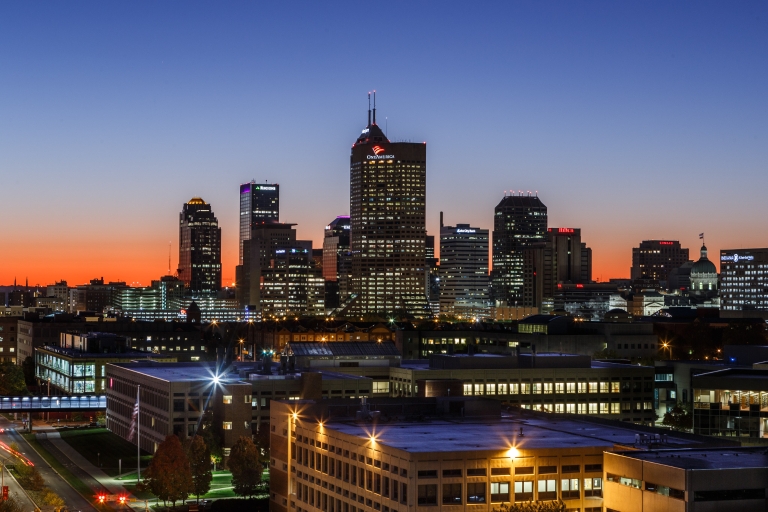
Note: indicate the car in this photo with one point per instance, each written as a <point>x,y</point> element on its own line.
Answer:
<point>94,424</point>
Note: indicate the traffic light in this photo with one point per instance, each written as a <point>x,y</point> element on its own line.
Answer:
<point>5,492</point>
<point>102,498</point>
<point>122,500</point>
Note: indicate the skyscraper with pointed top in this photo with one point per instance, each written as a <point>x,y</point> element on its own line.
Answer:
<point>388,185</point>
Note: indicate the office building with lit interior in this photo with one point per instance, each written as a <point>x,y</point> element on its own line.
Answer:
<point>744,283</point>
<point>448,453</point>
<point>175,396</point>
<point>464,271</point>
<point>199,248</point>
<point>561,259</point>
<point>655,259</point>
<point>337,262</point>
<point>259,204</point>
<point>519,222</point>
<point>388,223</point>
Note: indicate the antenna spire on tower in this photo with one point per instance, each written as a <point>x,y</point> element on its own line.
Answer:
<point>374,106</point>
<point>369,108</point>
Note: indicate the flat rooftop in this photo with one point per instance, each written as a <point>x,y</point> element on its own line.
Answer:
<point>423,364</point>
<point>538,432</point>
<point>203,371</point>
<point>130,354</point>
<point>712,458</point>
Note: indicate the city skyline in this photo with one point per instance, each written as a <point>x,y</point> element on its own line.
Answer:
<point>628,124</point>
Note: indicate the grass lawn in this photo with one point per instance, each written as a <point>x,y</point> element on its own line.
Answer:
<point>102,447</point>
<point>67,475</point>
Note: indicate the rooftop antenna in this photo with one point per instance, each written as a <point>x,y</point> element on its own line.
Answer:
<point>386,126</point>
<point>369,108</point>
<point>169,258</point>
<point>374,106</point>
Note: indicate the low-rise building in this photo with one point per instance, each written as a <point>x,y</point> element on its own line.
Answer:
<point>452,453</point>
<point>731,402</point>
<point>175,396</point>
<point>77,365</point>
<point>691,480</point>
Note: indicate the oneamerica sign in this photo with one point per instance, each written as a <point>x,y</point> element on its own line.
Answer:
<point>736,257</point>
<point>379,157</point>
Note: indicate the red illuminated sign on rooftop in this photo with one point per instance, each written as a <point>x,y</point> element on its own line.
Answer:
<point>378,149</point>
<point>666,243</point>
<point>567,231</point>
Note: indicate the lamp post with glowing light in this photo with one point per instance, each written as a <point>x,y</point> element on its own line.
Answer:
<point>667,346</point>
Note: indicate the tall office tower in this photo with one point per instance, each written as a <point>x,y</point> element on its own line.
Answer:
<point>561,259</point>
<point>463,270</point>
<point>337,262</point>
<point>519,222</point>
<point>259,204</point>
<point>199,248</point>
<point>388,223</point>
<point>655,259</point>
<point>258,250</point>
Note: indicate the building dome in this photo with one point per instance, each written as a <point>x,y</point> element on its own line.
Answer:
<point>196,200</point>
<point>703,266</point>
<point>704,275</point>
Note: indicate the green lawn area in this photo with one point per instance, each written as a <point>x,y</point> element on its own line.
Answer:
<point>102,447</point>
<point>67,475</point>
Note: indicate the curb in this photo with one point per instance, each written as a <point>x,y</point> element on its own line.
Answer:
<point>60,476</point>
<point>23,489</point>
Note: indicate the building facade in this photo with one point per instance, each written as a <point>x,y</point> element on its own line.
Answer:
<point>464,280</point>
<point>518,223</point>
<point>563,259</point>
<point>744,282</point>
<point>259,204</point>
<point>199,248</point>
<point>337,262</point>
<point>453,453</point>
<point>388,182</point>
<point>654,259</point>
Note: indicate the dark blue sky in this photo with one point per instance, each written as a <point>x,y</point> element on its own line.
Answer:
<point>632,120</point>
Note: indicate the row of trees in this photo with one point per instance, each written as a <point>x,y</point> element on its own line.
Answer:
<point>178,471</point>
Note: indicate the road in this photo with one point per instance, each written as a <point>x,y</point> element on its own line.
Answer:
<point>14,489</point>
<point>71,497</point>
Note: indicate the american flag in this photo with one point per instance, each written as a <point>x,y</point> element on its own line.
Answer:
<point>134,416</point>
<point>701,236</point>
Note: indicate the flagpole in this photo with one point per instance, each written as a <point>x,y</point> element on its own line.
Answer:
<point>138,434</point>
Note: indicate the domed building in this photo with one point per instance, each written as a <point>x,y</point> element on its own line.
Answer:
<point>704,276</point>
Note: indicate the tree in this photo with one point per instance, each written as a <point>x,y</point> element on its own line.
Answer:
<point>11,505</point>
<point>245,467</point>
<point>50,498</point>
<point>262,443</point>
<point>29,477</point>
<point>12,380</point>
<point>211,437</point>
<point>169,476</point>
<point>679,418</point>
<point>28,368</point>
<point>199,456</point>
<point>532,506</point>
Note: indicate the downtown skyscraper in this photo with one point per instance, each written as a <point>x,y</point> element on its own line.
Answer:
<point>259,204</point>
<point>518,223</point>
<point>199,248</point>
<point>463,270</point>
<point>388,182</point>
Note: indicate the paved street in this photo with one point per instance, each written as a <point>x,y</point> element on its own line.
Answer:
<point>71,497</point>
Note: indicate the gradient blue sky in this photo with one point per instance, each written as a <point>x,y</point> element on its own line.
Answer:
<point>632,120</point>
